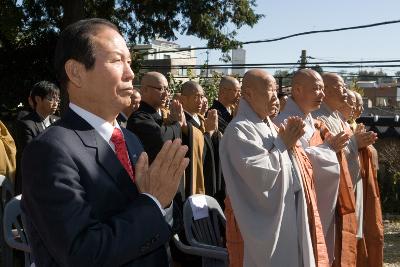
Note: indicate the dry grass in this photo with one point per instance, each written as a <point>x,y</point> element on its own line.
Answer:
<point>392,243</point>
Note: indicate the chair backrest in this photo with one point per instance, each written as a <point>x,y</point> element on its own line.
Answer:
<point>206,230</point>
<point>7,192</point>
<point>14,233</point>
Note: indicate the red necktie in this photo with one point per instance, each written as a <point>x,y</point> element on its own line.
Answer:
<point>122,152</point>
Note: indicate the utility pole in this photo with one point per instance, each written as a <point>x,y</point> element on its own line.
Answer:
<point>207,52</point>
<point>303,59</point>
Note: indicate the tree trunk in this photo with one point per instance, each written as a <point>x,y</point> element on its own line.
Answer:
<point>73,11</point>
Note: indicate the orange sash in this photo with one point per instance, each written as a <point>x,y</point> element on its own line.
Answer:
<point>370,249</point>
<point>346,221</point>
<point>316,232</point>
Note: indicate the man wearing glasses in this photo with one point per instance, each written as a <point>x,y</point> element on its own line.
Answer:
<point>45,100</point>
<point>147,122</point>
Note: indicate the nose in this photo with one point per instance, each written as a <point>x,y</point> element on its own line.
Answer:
<point>128,73</point>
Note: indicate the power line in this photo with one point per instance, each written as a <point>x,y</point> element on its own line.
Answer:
<point>282,38</point>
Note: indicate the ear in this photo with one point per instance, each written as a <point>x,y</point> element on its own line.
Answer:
<point>75,71</point>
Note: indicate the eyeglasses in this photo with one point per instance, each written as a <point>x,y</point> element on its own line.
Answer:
<point>161,89</point>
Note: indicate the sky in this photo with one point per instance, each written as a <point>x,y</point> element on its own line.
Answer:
<point>289,17</point>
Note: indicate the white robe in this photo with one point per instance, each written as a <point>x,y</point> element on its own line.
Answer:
<point>260,181</point>
<point>326,170</point>
<point>334,120</point>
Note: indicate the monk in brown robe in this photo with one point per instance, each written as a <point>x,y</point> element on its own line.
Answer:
<point>370,247</point>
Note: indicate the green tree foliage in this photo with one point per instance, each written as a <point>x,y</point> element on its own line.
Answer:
<point>285,76</point>
<point>364,75</point>
<point>29,30</point>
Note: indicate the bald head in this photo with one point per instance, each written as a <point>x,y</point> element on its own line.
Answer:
<point>359,105</point>
<point>347,108</point>
<point>154,89</point>
<point>307,90</point>
<point>190,88</point>
<point>335,94</point>
<point>259,91</point>
<point>152,78</point>
<point>192,97</point>
<point>228,91</point>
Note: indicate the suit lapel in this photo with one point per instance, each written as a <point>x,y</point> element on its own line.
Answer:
<point>105,156</point>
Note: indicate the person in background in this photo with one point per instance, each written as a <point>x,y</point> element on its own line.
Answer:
<point>45,97</point>
<point>126,113</point>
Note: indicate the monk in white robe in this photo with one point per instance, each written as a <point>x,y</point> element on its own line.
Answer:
<point>307,96</point>
<point>265,190</point>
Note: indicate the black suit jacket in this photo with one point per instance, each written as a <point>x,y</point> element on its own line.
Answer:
<point>82,208</point>
<point>224,117</point>
<point>122,120</point>
<point>27,128</point>
<point>148,125</point>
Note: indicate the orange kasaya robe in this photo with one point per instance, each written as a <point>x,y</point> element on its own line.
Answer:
<point>234,241</point>
<point>346,221</point>
<point>316,231</point>
<point>370,248</point>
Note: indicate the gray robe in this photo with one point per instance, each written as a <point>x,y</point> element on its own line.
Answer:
<point>261,183</point>
<point>334,121</point>
<point>326,170</point>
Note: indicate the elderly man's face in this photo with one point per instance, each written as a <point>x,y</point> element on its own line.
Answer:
<point>338,93</point>
<point>359,108</point>
<point>347,109</point>
<point>108,85</point>
<point>194,102</point>
<point>135,101</point>
<point>311,93</point>
<point>156,92</point>
<point>233,93</point>
<point>263,97</point>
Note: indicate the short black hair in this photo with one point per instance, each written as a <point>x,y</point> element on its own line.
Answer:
<point>43,89</point>
<point>76,43</point>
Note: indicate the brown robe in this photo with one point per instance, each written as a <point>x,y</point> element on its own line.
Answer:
<point>316,232</point>
<point>7,153</point>
<point>370,248</point>
<point>346,221</point>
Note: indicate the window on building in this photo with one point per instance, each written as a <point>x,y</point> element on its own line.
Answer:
<point>381,101</point>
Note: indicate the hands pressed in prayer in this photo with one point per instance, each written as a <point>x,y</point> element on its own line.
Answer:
<point>161,179</point>
<point>291,131</point>
<point>365,139</point>
<point>339,141</point>
<point>176,113</point>
<point>211,122</point>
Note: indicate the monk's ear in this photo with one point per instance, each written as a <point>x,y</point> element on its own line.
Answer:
<point>296,90</point>
<point>75,72</point>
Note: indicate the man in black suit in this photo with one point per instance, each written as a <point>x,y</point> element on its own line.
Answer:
<point>45,98</point>
<point>124,115</point>
<point>228,98</point>
<point>89,196</point>
<point>147,122</point>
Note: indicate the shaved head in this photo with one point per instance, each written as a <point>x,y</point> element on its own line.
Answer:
<point>307,90</point>
<point>192,97</point>
<point>359,105</point>
<point>259,91</point>
<point>229,91</point>
<point>152,78</point>
<point>190,88</point>
<point>154,89</point>
<point>335,94</point>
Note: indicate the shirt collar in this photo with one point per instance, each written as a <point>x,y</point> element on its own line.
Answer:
<point>103,127</point>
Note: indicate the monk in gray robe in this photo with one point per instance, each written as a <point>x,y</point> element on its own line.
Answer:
<point>265,190</point>
<point>307,96</point>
